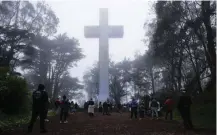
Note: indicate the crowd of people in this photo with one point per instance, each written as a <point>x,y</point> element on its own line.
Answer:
<point>150,108</point>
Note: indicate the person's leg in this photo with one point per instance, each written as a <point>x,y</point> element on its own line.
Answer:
<point>65,116</point>
<point>135,112</point>
<point>143,114</point>
<point>166,114</point>
<point>152,112</point>
<point>131,116</point>
<point>188,118</point>
<point>42,117</point>
<point>156,112</point>
<point>171,115</point>
<point>61,115</point>
<point>185,122</point>
<point>45,118</point>
<point>33,119</point>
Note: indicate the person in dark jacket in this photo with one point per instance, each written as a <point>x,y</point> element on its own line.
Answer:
<point>106,108</point>
<point>100,107</point>
<point>86,107</point>
<point>40,100</point>
<point>76,107</point>
<point>184,107</point>
<point>154,105</point>
<point>133,108</point>
<point>64,109</point>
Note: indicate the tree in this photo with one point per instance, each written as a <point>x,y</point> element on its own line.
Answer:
<point>178,41</point>
<point>19,19</point>
<point>52,61</point>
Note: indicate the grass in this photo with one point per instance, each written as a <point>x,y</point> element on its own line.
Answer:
<point>8,122</point>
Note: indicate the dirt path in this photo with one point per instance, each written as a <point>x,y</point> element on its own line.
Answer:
<point>116,124</point>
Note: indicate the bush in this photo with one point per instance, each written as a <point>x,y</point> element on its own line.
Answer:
<point>14,95</point>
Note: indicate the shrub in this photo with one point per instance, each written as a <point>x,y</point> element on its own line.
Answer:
<point>14,95</point>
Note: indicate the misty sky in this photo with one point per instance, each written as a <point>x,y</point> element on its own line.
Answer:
<point>75,14</point>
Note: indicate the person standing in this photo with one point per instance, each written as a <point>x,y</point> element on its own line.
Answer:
<point>64,109</point>
<point>168,104</point>
<point>40,100</point>
<point>91,108</point>
<point>105,108</point>
<point>109,106</point>
<point>134,107</point>
<point>154,105</point>
<point>76,107</point>
<point>184,107</point>
<point>86,106</point>
<point>119,107</point>
<point>72,105</point>
<point>141,110</point>
<point>100,107</point>
<point>57,106</point>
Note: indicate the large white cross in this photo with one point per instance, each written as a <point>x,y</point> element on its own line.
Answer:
<point>103,32</point>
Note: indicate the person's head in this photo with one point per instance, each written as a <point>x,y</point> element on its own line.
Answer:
<point>64,97</point>
<point>183,91</point>
<point>41,87</point>
<point>91,99</point>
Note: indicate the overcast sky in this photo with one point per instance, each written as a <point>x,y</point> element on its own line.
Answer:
<point>75,14</point>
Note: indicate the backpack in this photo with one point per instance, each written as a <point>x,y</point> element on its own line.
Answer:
<point>154,104</point>
<point>37,95</point>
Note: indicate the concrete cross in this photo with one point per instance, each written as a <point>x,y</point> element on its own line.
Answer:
<point>103,32</point>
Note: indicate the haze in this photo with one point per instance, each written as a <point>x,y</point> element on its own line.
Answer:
<point>76,14</point>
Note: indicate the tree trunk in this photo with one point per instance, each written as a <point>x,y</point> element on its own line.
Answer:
<point>210,38</point>
<point>152,80</point>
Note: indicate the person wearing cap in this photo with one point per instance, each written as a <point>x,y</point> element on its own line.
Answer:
<point>39,106</point>
<point>184,107</point>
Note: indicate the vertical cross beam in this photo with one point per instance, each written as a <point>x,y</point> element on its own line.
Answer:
<point>103,32</point>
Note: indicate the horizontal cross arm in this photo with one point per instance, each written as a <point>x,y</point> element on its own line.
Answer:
<point>91,31</point>
<point>116,31</point>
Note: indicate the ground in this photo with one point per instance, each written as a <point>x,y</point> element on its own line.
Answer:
<point>116,124</point>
